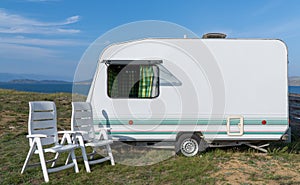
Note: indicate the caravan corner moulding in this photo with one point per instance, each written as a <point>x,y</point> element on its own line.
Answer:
<point>220,91</point>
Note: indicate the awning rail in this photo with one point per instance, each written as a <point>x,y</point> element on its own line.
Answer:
<point>132,62</point>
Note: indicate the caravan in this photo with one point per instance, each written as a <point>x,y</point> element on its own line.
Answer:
<point>194,92</point>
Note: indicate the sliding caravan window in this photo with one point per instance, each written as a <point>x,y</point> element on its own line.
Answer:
<point>133,81</point>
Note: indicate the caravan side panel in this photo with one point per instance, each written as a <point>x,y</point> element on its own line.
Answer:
<point>219,78</point>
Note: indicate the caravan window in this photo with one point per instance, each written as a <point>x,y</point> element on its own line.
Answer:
<point>132,81</point>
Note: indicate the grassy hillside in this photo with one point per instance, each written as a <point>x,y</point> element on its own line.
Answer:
<point>217,166</point>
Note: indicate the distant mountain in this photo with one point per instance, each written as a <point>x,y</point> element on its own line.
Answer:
<point>29,81</point>
<point>6,77</point>
<point>22,81</point>
<point>294,81</point>
<point>85,82</point>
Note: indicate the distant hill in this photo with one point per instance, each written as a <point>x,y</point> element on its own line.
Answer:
<point>29,81</point>
<point>85,82</point>
<point>6,77</point>
<point>294,81</point>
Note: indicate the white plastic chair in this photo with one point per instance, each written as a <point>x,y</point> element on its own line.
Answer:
<point>42,130</point>
<point>87,136</point>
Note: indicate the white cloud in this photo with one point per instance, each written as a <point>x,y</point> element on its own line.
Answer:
<point>40,42</point>
<point>20,52</point>
<point>72,19</point>
<point>68,30</point>
<point>14,23</point>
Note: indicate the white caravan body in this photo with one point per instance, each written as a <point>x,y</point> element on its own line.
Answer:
<point>223,89</point>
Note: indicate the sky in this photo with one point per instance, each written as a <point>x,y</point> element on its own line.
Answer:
<point>49,37</point>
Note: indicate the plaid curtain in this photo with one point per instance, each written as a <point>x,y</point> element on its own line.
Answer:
<point>146,82</point>
<point>112,82</point>
<point>132,81</point>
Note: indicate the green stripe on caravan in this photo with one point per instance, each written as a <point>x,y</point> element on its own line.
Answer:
<point>205,133</point>
<point>190,122</point>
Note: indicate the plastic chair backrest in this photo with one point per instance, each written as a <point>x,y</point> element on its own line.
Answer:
<point>42,120</point>
<point>82,119</point>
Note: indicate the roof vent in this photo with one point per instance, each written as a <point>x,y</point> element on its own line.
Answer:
<point>214,36</point>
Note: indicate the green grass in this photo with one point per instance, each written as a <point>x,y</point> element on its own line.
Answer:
<point>217,166</point>
<point>178,170</point>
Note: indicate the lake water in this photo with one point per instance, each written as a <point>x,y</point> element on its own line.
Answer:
<point>294,89</point>
<point>80,89</point>
<point>48,88</point>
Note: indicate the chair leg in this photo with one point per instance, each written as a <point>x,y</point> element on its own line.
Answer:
<point>74,161</point>
<point>73,141</point>
<point>55,158</point>
<point>30,152</point>
<point>63,140</point>
<point>85,159</point>
<point>68,158</point>
<point>92,154</point>
<point>42,160</point>
<point>84,156</point>
<point>108,148</point>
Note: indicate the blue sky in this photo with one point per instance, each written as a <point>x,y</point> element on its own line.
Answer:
<point>49,36</point>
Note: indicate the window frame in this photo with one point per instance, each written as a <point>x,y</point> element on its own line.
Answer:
<point>133,98</point>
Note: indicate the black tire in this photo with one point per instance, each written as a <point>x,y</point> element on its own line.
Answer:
<point>189,145</point>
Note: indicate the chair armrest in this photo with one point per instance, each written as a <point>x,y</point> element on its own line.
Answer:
<point>67,136</point>
<point>98,129</point>
<point>36,135</point>
<point>81,132</point>
<point>66,132</point>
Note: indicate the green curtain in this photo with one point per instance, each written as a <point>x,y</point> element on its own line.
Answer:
<point>137,81</point>
<point>112,82</point>
<point>146,82</point>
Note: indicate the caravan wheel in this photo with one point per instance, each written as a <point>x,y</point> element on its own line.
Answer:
<point>188,145</point>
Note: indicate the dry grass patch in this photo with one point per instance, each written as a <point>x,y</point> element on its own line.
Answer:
<point>257,168</point>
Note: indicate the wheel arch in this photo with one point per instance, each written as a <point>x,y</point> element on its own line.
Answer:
<point>179,134</point>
